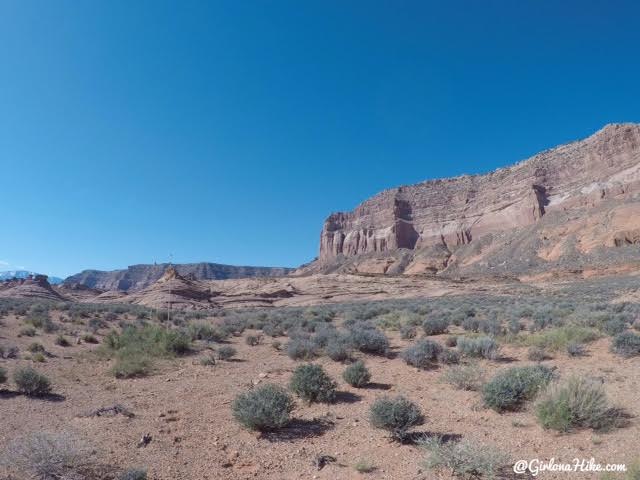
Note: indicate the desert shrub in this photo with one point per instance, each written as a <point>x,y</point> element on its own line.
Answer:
<point>471,324</point>
<point>484,347</point>
<point>31,383</point>
<point>368,340</point>
<point>206,332</point>
<point>226,352</point>
<point>273,330</point>
<point>338,349</point>
<point>576,403</point>
<point>491,327</point>
<point>41,320</point>
<point>38,357</point>
<point>276,344</point>
<point>324,335</point>
<point>464,377</point>
<point>511,387</point>
<point>449,357</point>
<point>364,466</point>
<point>422,354</point>
<point>36,347</point>
<point>130,363</point>
<point>514,326</point>
<point>451,341</point>
<point>614,326</point>
<point>465,459</point>
<point>3,375</point>
<point>96,324</point>
<point>435,326</point>
<point>27,332</point>
<point>312,384</point>
<point>253,340</point>
<point>47,456</point>
<point>89,338</point>
<point>301,348</point>
<point>62,341</point>
<point>9,352</point>
<point>626,344</point>
<point>357,374</point>
<point>152,340</point>
<point>396,415</point>
<point>264,408</point>
<point>208,360</point>
<point>558,338</point>
<point>537,354</point>
<point>133,474</point>
<point>408,331</point>
<point>575,349</point>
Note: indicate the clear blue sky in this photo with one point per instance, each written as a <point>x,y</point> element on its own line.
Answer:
<point>228,131</point>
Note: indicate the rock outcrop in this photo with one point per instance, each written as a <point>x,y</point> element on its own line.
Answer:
<point>138,277</point>
<point>32,287</point>
<point>564,207</point>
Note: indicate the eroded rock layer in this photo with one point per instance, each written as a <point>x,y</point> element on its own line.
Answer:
<point>563,205</point>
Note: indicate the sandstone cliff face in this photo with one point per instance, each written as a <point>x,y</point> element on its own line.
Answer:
<point>438,221</point>
<point>138,277</point>
<point>33,287</point>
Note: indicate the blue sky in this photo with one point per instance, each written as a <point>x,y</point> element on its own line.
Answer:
<point>228,131</point>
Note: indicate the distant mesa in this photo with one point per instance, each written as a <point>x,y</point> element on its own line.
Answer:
<point>11,274</point>
<point>139,277</point>
<point>34,286</point>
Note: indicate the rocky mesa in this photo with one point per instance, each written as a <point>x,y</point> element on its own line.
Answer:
<point>139,277</point>
<point>575,207</point>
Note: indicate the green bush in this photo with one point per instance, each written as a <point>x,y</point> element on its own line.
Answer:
<point>208,360</point>
<point>464,377</point>
<point>357,374</point>
<point>130,363</point>
<point>626,344</point>
<point>264,408</point>
<point>484,347</point>
<point>369,340</point>
<point>206,332</point>
<point>62,341</point>
<point>301,349</point>
<point>337,349</point>
<point>31,383</point>
<point>422,354</point>
<point>558,338</point>
<point>465,459</point>
<point>576,403</point>
<point>226,352</point>
<point>151,340</point>
<point>614,327</point>
<point>537,354</point>
<point>435,326</point>
<point>449,357</point>
<point>396,415</point>
<point>408,331</point>
<point>253,340</point>
<point>36,347</point>
<point>511,387</point>
<point>575,349</point>
<point>312,384</point>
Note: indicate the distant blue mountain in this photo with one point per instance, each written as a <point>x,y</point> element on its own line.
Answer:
<point>24,274</point>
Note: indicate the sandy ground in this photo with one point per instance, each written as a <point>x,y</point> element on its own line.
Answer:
<point>186,408</point>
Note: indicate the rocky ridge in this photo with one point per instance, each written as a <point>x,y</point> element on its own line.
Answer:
<point>575,206</point>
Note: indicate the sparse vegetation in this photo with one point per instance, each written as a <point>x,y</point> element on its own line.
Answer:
<point>253,340</point>
<point>484,347</point>
<point>626,344</point>
<point>226,352</point>
<point>575,349</point>
<point>422,354</point>
<point>31,383</point>
<point>537,354</point>
<point>576,403</point>
<point>264,408</point>
<point>435,326</point>
<point>465,459</point>
<point>511,387</point>
<point>357,374</point>
<point>62,341</point>
<point>396,415</point>
<point>364,466</point>
<point>133,474</point>
<point>464,377</point>
<point>557,338</point>
<point>3,375</point>
<point>301,349</point>
<point>311,383</point>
